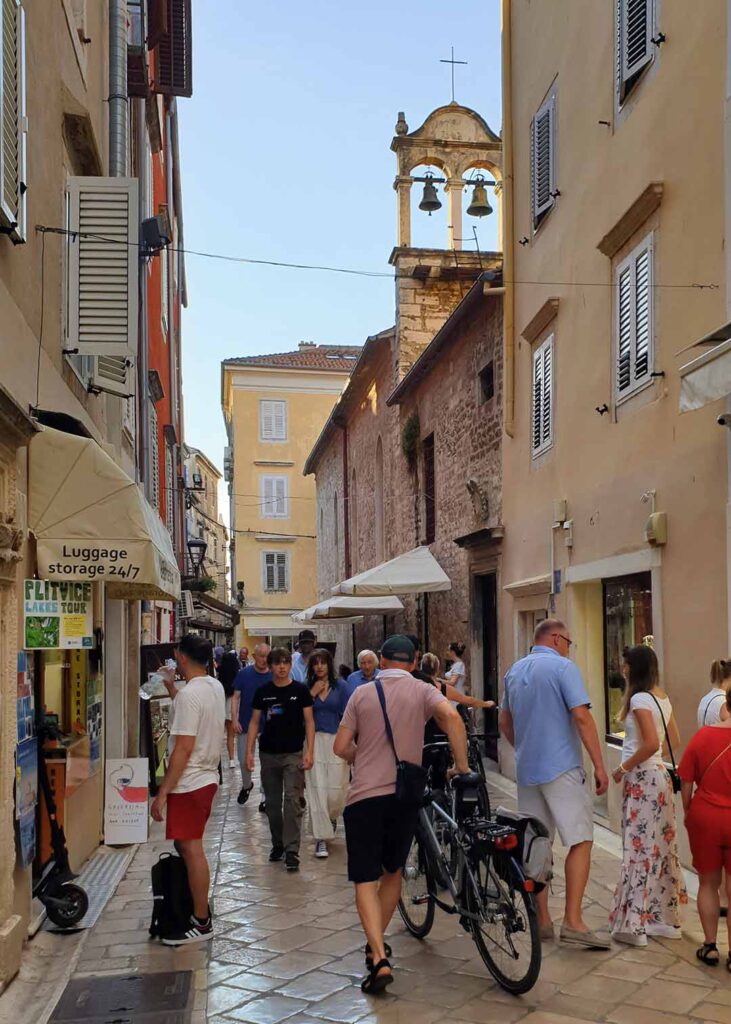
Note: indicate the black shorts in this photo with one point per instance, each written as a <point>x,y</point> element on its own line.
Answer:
<point>378,834</point>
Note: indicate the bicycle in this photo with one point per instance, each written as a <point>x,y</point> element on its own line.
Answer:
<point>483,877</point>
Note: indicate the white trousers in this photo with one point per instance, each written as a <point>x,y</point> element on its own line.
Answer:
<point>327,787</point>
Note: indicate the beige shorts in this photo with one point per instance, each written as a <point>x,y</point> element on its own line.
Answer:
<point>564,805</point>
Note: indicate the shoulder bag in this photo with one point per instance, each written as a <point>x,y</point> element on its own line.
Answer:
<point>672,772</point>
<point>715,760</point>
<point>708,705</point>
<point>410,778</point>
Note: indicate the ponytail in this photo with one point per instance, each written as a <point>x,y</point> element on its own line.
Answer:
<point>457,649</point>
<point>720,671</point>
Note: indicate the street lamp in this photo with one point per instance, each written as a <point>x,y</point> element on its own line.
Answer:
<point>197,552</point>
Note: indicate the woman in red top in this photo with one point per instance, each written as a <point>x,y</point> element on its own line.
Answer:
<point>706,764</point>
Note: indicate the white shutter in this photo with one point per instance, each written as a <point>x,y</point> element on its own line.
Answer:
<point>169,492</point>
<point>113,374</point>
<point>635,36</point>
<point>272,421</point>
<point>12,119</point>
<point>266,495</point>
<point>543,129</point>
<point>103,261</point>
<point>634,319</point>
<point>280,421</point>
<point>275,570</point>
<point>542,398</point>
<point>280,496</point>
<point>273,493</point>
<point>154,458</point>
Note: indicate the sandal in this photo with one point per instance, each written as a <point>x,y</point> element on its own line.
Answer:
<point>705,954</point>
<point>374,982</point>
<point>369,954</point>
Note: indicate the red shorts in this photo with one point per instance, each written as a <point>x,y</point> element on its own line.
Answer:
<point>187,813</point>
<point>709,832</point>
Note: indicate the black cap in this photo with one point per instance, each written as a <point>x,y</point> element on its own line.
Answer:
<point>306,634</point>
<point>398,648</point>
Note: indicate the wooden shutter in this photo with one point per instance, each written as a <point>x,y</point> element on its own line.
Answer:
<point>173,53</point>
<point>272,421</point>
<point>103,262</point>
<point>269,570</point>
<point>281,563</point>
<point>634,319</point>
<point>542,398</point>
<point>113,374</point>
<point>154,458</point>
<point>542,159</point>
<point>12,119</point>
<point>157,22</point>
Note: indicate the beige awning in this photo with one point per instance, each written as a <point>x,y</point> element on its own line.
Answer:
<point>415,572</point>
<point>270,624</point>
<point>707,378</point>
<point>92,522</point>
<point>337,609</point>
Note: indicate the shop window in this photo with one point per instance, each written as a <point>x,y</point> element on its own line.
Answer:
<point>627,622</point>
<point>430,487</point>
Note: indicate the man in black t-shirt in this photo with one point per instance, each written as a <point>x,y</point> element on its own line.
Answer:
<point>286,745</point>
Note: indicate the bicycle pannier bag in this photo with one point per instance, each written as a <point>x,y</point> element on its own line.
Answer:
<point>535,844</point>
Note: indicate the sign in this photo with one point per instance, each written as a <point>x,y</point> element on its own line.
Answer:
<point>125,801</point>
<point>26,795</point>
<point>25,711</point>
<point>57,615</point>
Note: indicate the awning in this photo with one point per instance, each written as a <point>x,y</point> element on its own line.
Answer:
<point>416,572</point>
<point>271,624</point>
<point>706,378</point>
<point>91,522</point>
<point>339,608</point>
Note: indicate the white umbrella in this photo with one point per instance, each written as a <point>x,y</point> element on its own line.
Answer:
<point>338,608</point>
<point>415,572</point>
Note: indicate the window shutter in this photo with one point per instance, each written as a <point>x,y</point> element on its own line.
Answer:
<point>547,392</point>
<point>169,492</point>
<point>281,571</point>
<point>537,398</point>
<point>635,319</point>
<point>267,508</point>
<point>157,22</point>
<point>280,424</point>
<point>542,151</point>
<point>635,36</point>
<point>266,421</point>
<point>154,458</point>
<point>542,398</point>
<point>643,305</point>
<point>280,496</point>
<point>103,261</point>
<point>624,331</point>
<point>113,374</point>
<point>12,119</point>
<point>173,53</point>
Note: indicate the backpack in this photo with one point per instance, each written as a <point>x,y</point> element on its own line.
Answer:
<point>536,849</point>
<point>172,900</point>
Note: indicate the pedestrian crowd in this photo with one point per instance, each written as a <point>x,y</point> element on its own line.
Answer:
<point>330,743</point>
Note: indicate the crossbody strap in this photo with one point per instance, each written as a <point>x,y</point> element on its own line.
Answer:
<point>389,731</point>
<point>715,759</point>
<point>708,705</point>
<point>667,738</point>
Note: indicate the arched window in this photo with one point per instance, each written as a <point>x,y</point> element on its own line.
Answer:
<point>379,499</point>
<point>353,521</point>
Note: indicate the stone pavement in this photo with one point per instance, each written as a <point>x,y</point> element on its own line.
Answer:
<point>288,948</point>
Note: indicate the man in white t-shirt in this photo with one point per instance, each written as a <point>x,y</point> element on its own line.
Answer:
<point>191,779</point>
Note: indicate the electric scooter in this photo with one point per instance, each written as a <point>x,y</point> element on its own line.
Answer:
<point>66,903</point>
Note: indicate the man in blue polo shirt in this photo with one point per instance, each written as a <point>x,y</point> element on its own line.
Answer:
<point>246,683</point>
<point>366,672</point>
<point>545,714</point>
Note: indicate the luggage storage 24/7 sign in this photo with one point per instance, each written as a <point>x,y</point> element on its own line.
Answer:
<point>57,614</point>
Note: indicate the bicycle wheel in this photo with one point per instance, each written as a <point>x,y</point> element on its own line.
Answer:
<point>506,930</point>
<point>416,905</point>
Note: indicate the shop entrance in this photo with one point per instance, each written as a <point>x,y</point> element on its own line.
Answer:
<point>486,603</point>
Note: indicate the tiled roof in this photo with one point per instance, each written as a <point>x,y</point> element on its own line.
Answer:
<point>337,358</point>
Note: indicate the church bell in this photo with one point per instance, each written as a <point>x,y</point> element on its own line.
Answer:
<point>479,206</point>
<point>430,200</point>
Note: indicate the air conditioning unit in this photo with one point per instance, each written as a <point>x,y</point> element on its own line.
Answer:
<point>228,464</point>
<point>184,607</point>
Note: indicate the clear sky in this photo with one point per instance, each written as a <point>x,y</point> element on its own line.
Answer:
<point>285,156</point>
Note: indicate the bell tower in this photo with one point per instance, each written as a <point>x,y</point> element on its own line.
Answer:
<point>458,144</point>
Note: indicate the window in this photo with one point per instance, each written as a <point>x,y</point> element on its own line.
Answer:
<point>274,497</point>
<point>634,319</point>
<point>542,398</point>
<point>430,503</point>
<point>487,382</point>
<point>154,458</point>
<point>12,119</point>
<point>169,492</point>
<point>275,570</point>
<point>543,159</point>
<point>635,26</point>
<point>627,622</point>
<point>272,421</point>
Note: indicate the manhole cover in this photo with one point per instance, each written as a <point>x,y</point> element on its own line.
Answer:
<point>126,999</point>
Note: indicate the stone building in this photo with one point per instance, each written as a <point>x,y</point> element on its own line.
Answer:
<point>411,452</point>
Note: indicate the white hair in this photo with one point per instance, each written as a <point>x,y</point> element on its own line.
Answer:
<point>367,653</point>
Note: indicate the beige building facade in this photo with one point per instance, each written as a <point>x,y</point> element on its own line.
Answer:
<point>274,407</point>
<point>613,502</point>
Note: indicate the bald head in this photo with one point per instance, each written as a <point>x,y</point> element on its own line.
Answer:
<point>554,633</point>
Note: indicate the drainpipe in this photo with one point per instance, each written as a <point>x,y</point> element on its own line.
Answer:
<point>143,420</point>
<point>117,88</point>
<point>508,229</point>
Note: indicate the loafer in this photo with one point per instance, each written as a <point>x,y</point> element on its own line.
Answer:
<point>587,940</point>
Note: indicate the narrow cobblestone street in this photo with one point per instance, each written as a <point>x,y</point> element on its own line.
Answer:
<point>288,947</point>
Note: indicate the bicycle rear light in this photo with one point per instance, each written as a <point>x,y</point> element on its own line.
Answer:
<point>508,842</point>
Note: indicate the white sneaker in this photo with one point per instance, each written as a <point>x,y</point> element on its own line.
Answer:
<point>663,931</point>
<point>233,763</point>
<point>629,938</point>
<point>321,848</point>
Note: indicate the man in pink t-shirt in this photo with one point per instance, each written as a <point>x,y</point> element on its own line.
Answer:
<point>379,829</point>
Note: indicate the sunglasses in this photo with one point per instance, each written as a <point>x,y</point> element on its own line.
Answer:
<point>565,638</point>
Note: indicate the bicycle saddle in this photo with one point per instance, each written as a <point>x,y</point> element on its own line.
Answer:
<point>466,781</point>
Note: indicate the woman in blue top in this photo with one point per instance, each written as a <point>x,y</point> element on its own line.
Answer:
<point>327,780</point>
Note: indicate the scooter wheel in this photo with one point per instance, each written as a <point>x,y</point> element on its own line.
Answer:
<point>69,906</point>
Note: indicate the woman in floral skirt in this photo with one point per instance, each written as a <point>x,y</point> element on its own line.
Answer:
<point>648,897</point>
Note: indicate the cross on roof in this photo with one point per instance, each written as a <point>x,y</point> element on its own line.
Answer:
<point>452,61</point>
